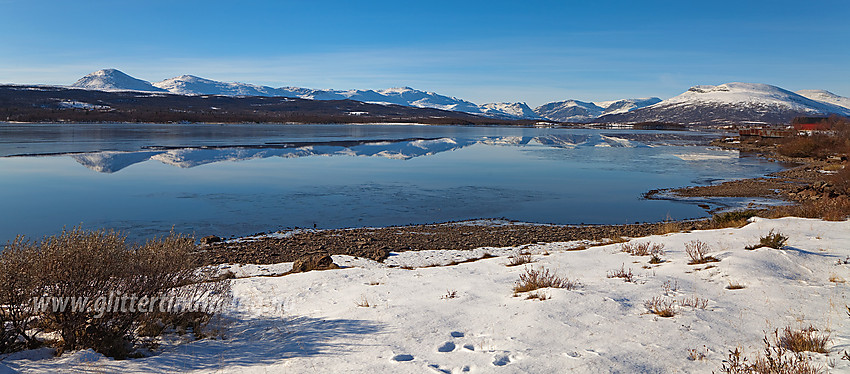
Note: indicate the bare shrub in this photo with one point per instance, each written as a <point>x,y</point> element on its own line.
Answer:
<point>520,259</point>
<point>534,279</point>
<point>777,359</point>
<point>450,294</point>
<point>17,286</point>
<point>661,306</point>
<point>698,252</point>
<point>622,273</point>
<point>86,268</point>
<point>643,249</point>
<point>694,302</point>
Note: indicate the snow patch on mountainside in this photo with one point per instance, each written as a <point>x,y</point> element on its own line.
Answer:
<point>826,97</point>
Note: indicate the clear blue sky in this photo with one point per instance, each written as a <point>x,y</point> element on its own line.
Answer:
<point>483,51</point>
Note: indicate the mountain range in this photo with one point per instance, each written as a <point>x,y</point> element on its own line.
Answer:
<point>702,105</point>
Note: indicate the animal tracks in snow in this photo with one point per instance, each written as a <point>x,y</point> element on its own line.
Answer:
<point>452,347</point>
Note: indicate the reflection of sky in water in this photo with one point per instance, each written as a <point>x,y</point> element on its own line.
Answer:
<point>528,180</point>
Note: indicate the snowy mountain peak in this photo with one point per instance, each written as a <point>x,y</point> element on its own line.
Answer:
<point>581,111</point>
<point>754,95</point>
<point>114,80</point>
<point>515,110</point>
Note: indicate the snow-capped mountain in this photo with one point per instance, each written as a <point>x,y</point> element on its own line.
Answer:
<point>516,110</point>
<point>192,85</point>
<point>581,111</point>
<point>826,97</point>
<point>114,80</point>
<point>730,103</point>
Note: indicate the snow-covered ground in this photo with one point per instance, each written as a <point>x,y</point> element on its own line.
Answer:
<point>385,318</point>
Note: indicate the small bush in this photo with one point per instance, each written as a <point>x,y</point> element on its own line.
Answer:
<point>520,259</point>
<point>87,268</point>
<point>661,306</point>
<point>773,240</point>
<point>643,249</point>
<point>622,273</point>
<point>697,252</point>
<point>450,294</point>
<point>805,340</point>
<point>777,359</point>
<point>534,279</point>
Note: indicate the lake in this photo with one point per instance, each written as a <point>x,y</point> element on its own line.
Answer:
<point>234,180</point>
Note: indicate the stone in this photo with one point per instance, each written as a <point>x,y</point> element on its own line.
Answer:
<point>207,240</point>
<point>313,262</point>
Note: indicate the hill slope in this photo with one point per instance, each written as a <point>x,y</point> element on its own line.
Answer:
<point>730,103</point>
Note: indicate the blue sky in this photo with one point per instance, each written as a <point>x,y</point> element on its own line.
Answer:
<point>482,51</point>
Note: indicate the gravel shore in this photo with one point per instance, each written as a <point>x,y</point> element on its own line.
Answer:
<point>377,243</point>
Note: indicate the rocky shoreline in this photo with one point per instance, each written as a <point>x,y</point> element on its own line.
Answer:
<point>802,182</point>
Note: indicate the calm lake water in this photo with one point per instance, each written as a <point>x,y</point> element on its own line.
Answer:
<point>229,180</point>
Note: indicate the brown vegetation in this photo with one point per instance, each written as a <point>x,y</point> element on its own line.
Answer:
<point>534,279</point>
<point>697,252</point>
<point>90,267</point>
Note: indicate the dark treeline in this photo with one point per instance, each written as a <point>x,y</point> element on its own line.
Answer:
<point>56,104</point>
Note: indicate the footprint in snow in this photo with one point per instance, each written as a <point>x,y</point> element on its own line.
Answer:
<point>446,347</point>
<point>469,347</point>
<point>501,360</point>
<point>457,334</point>
<point>403,358</point>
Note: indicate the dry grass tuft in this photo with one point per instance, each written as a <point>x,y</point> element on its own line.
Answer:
<point>534,279</point>
<point>538,296</point>
<point>643,249</point>
<point>627,276</point>
<point>661,306</point>
<point>735,286</point>
<point>698,252</point>
<point>694,302</point>
<point>804,340</point>
<point>450,294</point>
<point>520,259</point>
<point>695,354</point>
<point>834,278</point>
<point>363,302</point>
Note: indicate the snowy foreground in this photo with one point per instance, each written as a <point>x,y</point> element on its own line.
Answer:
<point>319,321</point>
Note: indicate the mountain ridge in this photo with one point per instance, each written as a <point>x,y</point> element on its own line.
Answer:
<point>727,103</point>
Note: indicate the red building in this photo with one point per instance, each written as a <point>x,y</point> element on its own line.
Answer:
<point>811,124</point>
